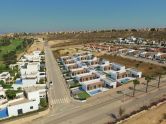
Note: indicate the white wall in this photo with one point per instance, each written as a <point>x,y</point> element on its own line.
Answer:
<point>13,110</point>
<point>29,82</point>
<point>33,95</point>
<point>113,75</point>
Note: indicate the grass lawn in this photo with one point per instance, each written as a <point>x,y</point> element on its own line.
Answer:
<point>146,68</point>
<point>11,47</point>
<point>6,49</point>
<point>5,86</point>
<point>83,95</point>
<point>75,85</point>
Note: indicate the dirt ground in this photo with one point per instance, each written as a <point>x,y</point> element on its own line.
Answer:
<point>35,46</point>
<point>67,51</point>
<point>146,68</point>
<point>153,116</point>
<point>56,42</point>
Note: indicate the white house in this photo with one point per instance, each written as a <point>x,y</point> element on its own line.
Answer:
<point>109,83</point>
<point>117,67</point>
<point>105,66</point>
<point>134,73</point>
<point>3,98</point>
<point>22,107</point>
<point>29,69</point>
<point>5,76</point>
<point>92,84</point>
<point>35,90</point>
<point>28,104</point>
<point>34,57</point>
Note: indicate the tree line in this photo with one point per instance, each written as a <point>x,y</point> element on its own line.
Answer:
<point>5,42</point>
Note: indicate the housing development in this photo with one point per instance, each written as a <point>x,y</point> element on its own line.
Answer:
<point>95,75</point>
<point>28,89</point>
<point>83,62</point>
<point>93,82</point>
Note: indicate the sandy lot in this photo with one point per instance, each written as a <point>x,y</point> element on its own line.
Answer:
<point>67,51</point>
<point>53,43</point>
<point>153,116</point>
<point>36,46</point>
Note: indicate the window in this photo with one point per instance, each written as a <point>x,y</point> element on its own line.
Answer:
<point>31,107</point>
<point>19,111</point>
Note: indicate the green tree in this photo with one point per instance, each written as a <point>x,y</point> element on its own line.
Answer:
<point>41,81</point>
<point>135,83</point>
<point>43,102</point>
<point>11,94</point>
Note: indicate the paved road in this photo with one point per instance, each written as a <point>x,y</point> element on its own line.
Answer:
<point>100,111</point>
<point>145,60</point>
<point>58,92</point>
<point>91,112</point>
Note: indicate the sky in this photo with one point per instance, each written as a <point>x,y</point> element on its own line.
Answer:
<point>75,15</point>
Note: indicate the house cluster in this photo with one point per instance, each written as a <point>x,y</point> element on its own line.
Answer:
<point>95,74</point>
<point>130,40</point>
<point>149,53</point>
<point>138,40</point>
<point>27,87</point>
<point>143,53</point>
<point>30,70</point>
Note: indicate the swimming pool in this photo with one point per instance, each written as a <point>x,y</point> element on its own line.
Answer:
<point>18,81</point>
<point>94,92</point>
<point>125,80</point>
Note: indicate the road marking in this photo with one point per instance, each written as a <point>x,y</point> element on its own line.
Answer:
<point>60,101</point>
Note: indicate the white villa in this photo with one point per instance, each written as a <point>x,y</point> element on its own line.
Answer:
<point>97,75</point>
<point>5,76</point>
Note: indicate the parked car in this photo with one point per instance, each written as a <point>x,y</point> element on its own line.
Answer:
<point>50,83</point>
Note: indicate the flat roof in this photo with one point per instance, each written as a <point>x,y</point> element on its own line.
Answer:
<point>21,101</point>
<point>113,71</point>
<point>71,64</point>
<point>108,80</point>
<point>33,88</point>
<point>118,64</point>
<point>91,81</point>
<point>133,69</point>
<point>84,74</point>
<point>77,69</point>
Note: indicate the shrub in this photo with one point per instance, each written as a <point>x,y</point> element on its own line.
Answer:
<point>144,108</point>
<point>43,102</point>
<point>11,94</point>
<point>164,116</point>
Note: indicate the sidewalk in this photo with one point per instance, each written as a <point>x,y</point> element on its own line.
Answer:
<point>28,120</point>
<point>111,92</point>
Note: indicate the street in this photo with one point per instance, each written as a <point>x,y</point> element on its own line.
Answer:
<point>58,93</point>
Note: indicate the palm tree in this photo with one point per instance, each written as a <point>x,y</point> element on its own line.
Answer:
<point>160,75</point>
<point>135,82</point>
<point>147,78</point>
<point>121,111</point>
